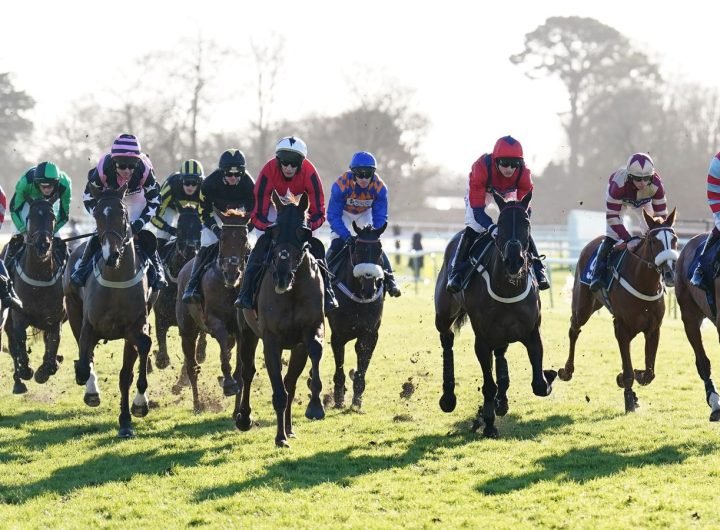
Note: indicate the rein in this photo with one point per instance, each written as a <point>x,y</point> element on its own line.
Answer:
<point>651,265</point>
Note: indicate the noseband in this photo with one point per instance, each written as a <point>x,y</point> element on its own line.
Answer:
<point>123,238</point>
<point>649,241</point>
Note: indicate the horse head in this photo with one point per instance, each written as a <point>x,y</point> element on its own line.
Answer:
<point>189,228</point>
<point>113,223</point>
<point>659,246</point>
<point>513,235</point>
<point>233,245</point>
<point>291,237</point>
<point>366,258</point>
<point>41,225</point>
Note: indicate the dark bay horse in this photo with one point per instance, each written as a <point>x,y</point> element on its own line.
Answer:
<point>216,315</point>
<point>178,252</point>
<point>637,300</point>
<point>503,305</point>
<point>290,312</point>
<point>38,282</point>
<point>694,308</point>
<point>359,287</point>
<point>113,304</point>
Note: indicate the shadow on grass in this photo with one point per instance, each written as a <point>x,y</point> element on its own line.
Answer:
<point>583,465</point>
<point>353,461</point>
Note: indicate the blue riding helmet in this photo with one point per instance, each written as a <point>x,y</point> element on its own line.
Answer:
<point>363,159</point>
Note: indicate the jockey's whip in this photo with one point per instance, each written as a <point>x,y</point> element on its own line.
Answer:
<point>81,236</point>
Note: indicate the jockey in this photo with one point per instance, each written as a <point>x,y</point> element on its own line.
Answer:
<point>290,170</point>
<point>230,186</point>
<point>8,298</point>
<point>124,164</point>
<point>179,190</point>
<point>43,181</point>
<point>713,198</point>
<point>503,171</point>
<point>636,186</point>
<point>359,195</point>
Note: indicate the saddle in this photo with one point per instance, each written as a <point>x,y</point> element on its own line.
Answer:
<point>477,256</point>
<point>614,262</point>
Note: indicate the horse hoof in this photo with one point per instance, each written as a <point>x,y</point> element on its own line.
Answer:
<point>44,372</point>
<point>477,423</point>
<point>357,403</point>
<point>315,411</point>
<point>19,387</point>
<point>565,374</point>
<point>139,411</point>
<point>26,373</point>
<point>490,432</point>
<point>502,407</point>
<point>162,361</point>
<point>544,389</point>
<point>243,423</point>
<point>231,389</point>
<point>644,377</point>
<point>715,415</point>
<point>282,443</point>
<point>631,401</point>
<point>126,433</point>
<point>448,402</point>
<point>92,400</point>
<point>82,374</point>
<point>619,380</point>
<point>550,376</point>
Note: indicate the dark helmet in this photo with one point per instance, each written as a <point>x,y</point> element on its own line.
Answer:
<point>232,158</point>
<point>363,159</point>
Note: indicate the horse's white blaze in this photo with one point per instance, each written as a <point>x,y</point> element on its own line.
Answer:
<point>371,270</point>
<point>140,400</point>
<point>714,401</point>
<point>106,250</point>
<point>91,385</point>
<point>106,211</point>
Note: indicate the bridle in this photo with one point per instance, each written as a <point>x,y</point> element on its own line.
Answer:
<point>647,240</point>
<point>124,237</point>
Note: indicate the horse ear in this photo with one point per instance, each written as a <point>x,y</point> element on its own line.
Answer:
<point>95,190</point>
<point>303,233</point>
<point>275,200</point>
<point>649,219</point>
<point>122,190</point>
<point>380,230</point>
<point>304,202</point>
<point>356,227</point>
<point>670,221</point>
<point>526,200</point>
<point>499,200</point>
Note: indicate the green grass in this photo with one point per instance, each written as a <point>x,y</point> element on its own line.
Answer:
<point>571,460</point>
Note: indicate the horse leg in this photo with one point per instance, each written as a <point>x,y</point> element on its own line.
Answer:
<point>364,348</point>
<point>84,369</point>
<point>201,350</point>
<point>448,401</point>
<point>314,345</point>
<point>272,351</point>
<point>162,325</point>
<point>652,339</point>
<point>245,368</point>
<point>338,347</point>
<point>226,342</point>
<point>17,326</point>
<point>130,355</point>
<point>542,380</point>
<point>692,319</point>
<point>503,381</point>
<point>142,344</point>
<point>298,360</point>
<point>49,365</point>
<point>583,307</point>
<point>18,387</point>
<point>489,390</point>
<point>626,378</point>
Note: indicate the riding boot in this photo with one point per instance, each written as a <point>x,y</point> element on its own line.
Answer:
<point>252,273</point>
<point>192,290</point>
<point>538,267</point>
<point>459,261</point>
<point>156,272</point>
<point>332,256</point>
<point>16,243</point>
<point>698,277</point>
<point>84,266</point>
<point>598,277</point>
<point>163,248</point>
<point>8,298</point>
<point>331,302</point>
<point>390,285</point>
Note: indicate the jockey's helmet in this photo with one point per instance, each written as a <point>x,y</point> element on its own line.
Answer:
<point>232,158</point>
<point>291,150</point>
<point>191,168</point>
<point>640,165</point>
<point>125,146</point>
<point>46,173</point>
<point>363,159</point>
<point>507,147</point>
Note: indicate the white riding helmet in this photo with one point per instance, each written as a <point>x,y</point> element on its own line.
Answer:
<point>640,165</point>
<point>292,144</point>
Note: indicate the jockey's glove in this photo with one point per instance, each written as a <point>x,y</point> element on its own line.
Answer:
<point>136,226</point>
<point>216,231</point>
<point>493,230</point>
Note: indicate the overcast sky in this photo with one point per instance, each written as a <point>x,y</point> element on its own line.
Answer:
<point>454,56</point>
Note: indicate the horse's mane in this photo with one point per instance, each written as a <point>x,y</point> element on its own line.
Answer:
<point>235,212</point>
<point>289,198</point>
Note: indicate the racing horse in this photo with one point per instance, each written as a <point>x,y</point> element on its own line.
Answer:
<point>176,254</point>
<point>113,304</point>
<point>503,305</point>
<point>290,312</point>
<point>694,307</point>
<point>37,276</point>
<point>359,284</point>
<point>636,299</point>
<point>216,315</point>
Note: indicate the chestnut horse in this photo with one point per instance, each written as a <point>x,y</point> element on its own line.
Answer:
<point>359,287</point>
<point>637,301</point>
<point>503,304</point>
<point>113,304</point>
<point>290,312</point>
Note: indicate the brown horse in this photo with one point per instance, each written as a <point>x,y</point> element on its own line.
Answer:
<point>181,250</point>
<point>636,300</point>
<point>216,315</point>
<point>503,305</point>
<point>694,308</point>
<point>113,304</point>
<point>359,284</point>
<point>290,312</point>
<point>38,281</point>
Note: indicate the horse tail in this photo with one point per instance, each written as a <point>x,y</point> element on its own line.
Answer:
<point>460,321</point>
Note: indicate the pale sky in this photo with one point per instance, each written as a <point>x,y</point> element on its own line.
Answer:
<point>453,56</point>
